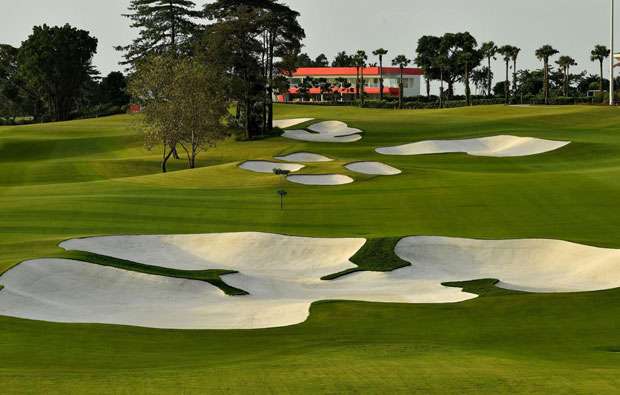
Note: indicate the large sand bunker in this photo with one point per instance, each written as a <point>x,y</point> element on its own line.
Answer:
<point>326,132</point>
<point>374,168</point>
<point>262,166</point>
<point>282,274</point>
<point>287,123</point>
<point>320,179</point>
<point>500,146</point>
<point>305,157</point>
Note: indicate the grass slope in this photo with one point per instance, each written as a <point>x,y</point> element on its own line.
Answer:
<point>92,177</point>
<point>376,255</point>
<point>212,277</point>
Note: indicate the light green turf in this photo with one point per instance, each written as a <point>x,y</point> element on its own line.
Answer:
<point>93,177</point>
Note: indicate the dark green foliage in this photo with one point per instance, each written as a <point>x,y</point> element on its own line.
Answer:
<point>483,287</point>
<point>55,62</point>
<point>166,27</point>
<point>212,277</point>
<point>377,255</point>
<point>113,89</point>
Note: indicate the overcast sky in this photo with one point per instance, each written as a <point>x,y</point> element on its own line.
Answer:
<point>572,26</point>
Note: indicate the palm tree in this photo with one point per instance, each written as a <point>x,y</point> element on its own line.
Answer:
<point>514,55</point>
<point>600,53</point>
<point>282,174</point>
<point>380,52</point>
<point>479,78</point>
<point>441,62</point>
<point>466,58</point>
<point>565,62</point>
<point>506,51</point>
<point>488,51</point>
<point>544,53</point>
<point>361,59</point>
<point>400,61</point>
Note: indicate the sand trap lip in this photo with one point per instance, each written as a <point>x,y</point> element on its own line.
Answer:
<point>282,274</point>
<point>306,157</point>
<point>326,132</point>
<point>373,168</point>
<point>320,179</point>
<point>498,146</point>
<point>263,166</point>
<point>287,123</point>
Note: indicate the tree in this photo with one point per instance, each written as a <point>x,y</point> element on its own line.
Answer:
<point>360,59</point>
<point>506,51</point>
<point>321,61</point>
<point>600,53</point>
<point>467,58</point>
<point>401,61</point>
<point>304,60</point>
<point>166,27</point>
<point>489,50</point>
<point>452,45</point>
<point>480,79</point>
<point>565,62</point>
<point>343,60</point>
<point>15,93</point>
<point>113,89</point>
<point>514,54</point>
<point>441,63</point>
<point>544,53</point>
<point>427,52</point>
<point>185,104</point>
<point>56,62</point>
<point>380,53</point>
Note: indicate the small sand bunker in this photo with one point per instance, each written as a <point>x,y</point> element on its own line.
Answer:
<point>306,157</point>
<point>320,179</point>
<point>536,265</point>
<point>282,275</point>
<point>261,166</point>
<point>326,132</point>
<point>287,123</point>
<point>499,146</point>
<point>375,168</point>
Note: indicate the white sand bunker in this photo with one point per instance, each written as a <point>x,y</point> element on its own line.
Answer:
<point>536,265</point>
<point>320,179</point>
<point>375,168</point>
<point>261,166</point>
<point>287,123</point>
<point>326,132</point>
<point>500,146</point>
<point>306,157</point>
<point>282,275</point>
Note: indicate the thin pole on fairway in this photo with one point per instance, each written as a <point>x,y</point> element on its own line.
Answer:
<point>611,64</point>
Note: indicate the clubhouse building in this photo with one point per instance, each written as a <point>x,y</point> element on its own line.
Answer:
<point>391,78</point>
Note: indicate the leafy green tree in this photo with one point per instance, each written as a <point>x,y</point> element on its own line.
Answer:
<point>530,82</point>
<point>600,53</point>
<point>401,61</point>
<point>506,52</point>
<point>565,62</point>
<point>166,27</point>
<point>544,53</point>
<point>56,62</point>
<point>480,78</point>
<point>304,60</point>
<point>489,50</point>
<point>114,89</point>
<point>427,52</point>
<point>321,61</point>
<point>380,53</point>
<point>467,58</point>
<point>16,94</point>
<point>343,60</point>
<point>451,47</point>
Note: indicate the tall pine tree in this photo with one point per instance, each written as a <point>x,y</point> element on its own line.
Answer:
<point>166,27</point>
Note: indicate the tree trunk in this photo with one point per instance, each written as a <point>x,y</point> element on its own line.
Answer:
<point>514,78</point>
<point>441,87</point>
<point>428,86</point>
<point>400,90</point>
<point>381,77</point>
<point>362,85</point>
<point>601,82</point>
<point>489,78</point>
<point>165,158</point>
<point>270,88</point>
<point>357,82</point>
<point>506,83</point>
<point>546,81</point>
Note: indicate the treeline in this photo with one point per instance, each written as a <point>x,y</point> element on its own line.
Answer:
<point>50,77</point>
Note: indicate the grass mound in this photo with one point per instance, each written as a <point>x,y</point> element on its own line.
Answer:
<point>377,255</point>
<point>484,287</point>
<point>212,277</point>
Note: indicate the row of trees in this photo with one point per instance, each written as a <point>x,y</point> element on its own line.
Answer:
<point>50,76</point>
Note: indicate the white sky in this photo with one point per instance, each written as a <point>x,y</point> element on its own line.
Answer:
<point>572,26</point>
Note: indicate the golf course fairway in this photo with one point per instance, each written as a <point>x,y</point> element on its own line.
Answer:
<point>92,178</point>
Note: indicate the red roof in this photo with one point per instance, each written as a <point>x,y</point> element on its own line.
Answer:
<point>311,71</point>
<point>314,91</point>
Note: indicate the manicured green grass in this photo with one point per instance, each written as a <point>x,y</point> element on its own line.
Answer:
<point>482,287</point>
<point>92,177</point>
<point>376,255</point>
<point>212,277</point>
